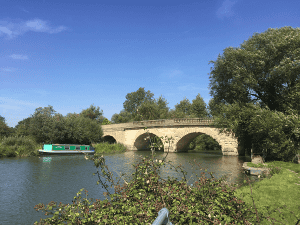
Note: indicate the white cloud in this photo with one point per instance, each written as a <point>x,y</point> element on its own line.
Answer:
<point>9,103</point>
<point>8,69</point>
<point>5,30</point>
<point>12,30</point>
<point>16,56</point>
<point>226,9</point>
<point>24,10</point>
<point>190,87</point>
<point>171,74</point>
<point>175,73</point>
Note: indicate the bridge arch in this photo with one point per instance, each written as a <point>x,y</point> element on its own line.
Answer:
<point>109,138</point>
<point>182,130</point>
<point>183,143</point>
<point>140,143</point>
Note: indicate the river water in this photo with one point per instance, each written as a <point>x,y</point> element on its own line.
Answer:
<point>25,182</point>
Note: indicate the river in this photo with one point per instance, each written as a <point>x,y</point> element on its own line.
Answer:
<point>25,182</point>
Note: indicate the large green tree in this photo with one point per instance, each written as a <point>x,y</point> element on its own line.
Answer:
<point>41,124</point>
<point>93,113</point>
<point>183,109</point>
<point>135,99</point>
<point>122,117</point>
<point>198,107</point>
<point>153,110</point>
<point>265,68</point>
<point>272,133</point>
<point>5,130</point>
<point>163,108</point>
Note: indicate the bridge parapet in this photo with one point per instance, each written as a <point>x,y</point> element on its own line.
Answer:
<point>158,123</point>
<point>171,123</point>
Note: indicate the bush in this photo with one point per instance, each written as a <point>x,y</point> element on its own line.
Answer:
<point>18,146</point>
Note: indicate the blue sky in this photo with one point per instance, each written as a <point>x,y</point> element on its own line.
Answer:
<point>72,54</point>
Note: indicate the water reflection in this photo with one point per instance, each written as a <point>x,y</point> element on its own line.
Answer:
<point>25,182</point>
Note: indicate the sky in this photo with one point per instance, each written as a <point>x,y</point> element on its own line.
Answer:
<point>74,54</point>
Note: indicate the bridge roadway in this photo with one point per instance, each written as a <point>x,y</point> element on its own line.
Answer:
<point>132,134</point>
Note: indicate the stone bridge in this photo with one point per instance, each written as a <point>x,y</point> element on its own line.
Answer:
<point>132,134</point>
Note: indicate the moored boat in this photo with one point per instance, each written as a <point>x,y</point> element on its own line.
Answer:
<point>66,149</point>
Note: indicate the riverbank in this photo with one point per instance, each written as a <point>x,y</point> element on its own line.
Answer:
<point>276,191</point>
<point>265,193</point>
<point>26,147</point>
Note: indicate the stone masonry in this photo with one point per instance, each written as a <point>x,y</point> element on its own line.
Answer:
<point>133,135</point>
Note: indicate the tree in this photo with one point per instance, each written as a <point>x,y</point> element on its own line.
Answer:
<point>198,107</point>
<point>135,99</point>
<point>41,124</point>
<point>93,113</point>
<point>23,128</point>
<point>204,143</point>
<point>5,130</point>
<point>148,110</point>
<point>272,133</point>
<point>163,108</point>
<point>85,131</point>
<point>264,68</point>
<point>173,113</point>
<point>122,117</point>
<point>105,121</point>
<point>183,109</point>
<point>59,129</point>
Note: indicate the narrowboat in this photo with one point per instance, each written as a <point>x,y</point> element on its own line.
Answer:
<point>66,149</point>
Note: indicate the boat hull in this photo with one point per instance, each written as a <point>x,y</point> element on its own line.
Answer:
<point>43,152</point>
<point>255,171</point>
<point>50,149</point>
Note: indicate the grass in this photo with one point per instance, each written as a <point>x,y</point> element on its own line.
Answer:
<point>259,165</point>
<point>109,148</point>
<point>266,193</point>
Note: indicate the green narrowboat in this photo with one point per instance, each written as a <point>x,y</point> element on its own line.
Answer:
<point>66,149</point>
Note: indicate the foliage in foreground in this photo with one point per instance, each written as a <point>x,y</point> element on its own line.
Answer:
<point>209,201</point>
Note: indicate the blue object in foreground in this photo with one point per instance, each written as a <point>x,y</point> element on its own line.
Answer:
<point>163,217</point>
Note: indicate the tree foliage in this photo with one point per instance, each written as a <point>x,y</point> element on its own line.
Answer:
<point>184,107</point>
<point>152,110</point>
<point>122,117</point>
<point>163,108</point>
<point>46,126</point>
<point>23,127</point>
<point>272,133</point>
<point>105,121</point>
<point>148,110</point>
<point>198,108</point>
<point>135,99</point>
<point>93,113</point>
<point>204,143</point>
<point>264,68</point>
<point>5,130</point>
